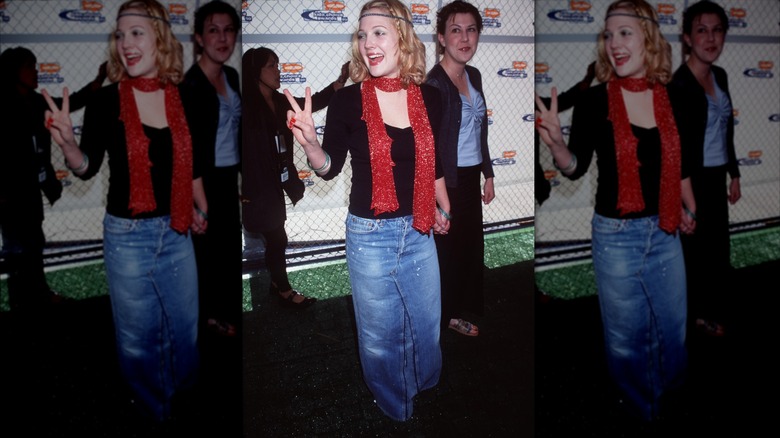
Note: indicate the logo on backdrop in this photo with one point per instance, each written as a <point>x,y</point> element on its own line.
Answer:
<point>332,12</point>
<point>551,175</point>
<point>764,70</point>
<point>666,13</point>
<point>577,13</point>
<point>753,158</point>
<point>89,13</point>
<point>529,118</point>
<point>774,117</point>
<point>518,70</point>
<point>490,117</point>
<point>49,73</point>
<point>4,17</point>
<point>507,159</point>
<point>305,176</point>
<point>245,17</point>
<point>737,18</point>
<point>491,17</point>
<point>420,13</point>
<point>291,73</point>
<point>540,73</point>
<point>735,113</point>
<point>178,13</point>
<point>320,130</point>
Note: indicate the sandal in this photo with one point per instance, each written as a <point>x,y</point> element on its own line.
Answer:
<point>464,327</point>
<point>710,328</point>
<point>221,328</point>
<point>289,301</point>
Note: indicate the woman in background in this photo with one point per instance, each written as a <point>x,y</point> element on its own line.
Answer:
<point>465,159</point>
<point>700,97</point>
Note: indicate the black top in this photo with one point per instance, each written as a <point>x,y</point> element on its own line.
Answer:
<point>451,112</point>
<point>689,103</point>
<point>103,133</point>
<point>591,132</point>
<point>346,132</point>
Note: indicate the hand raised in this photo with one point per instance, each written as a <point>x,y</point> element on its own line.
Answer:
<point>300,121</point>
<point>547,121</point>
<point>58,121</point>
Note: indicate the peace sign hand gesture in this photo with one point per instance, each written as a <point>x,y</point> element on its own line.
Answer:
<point>301,122</point>
<point>547,121</point>
<point>58,120</point>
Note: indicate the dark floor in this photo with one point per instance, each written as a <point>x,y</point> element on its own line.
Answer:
<point>301,374</point>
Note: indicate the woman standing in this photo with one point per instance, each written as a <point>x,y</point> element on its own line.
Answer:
<point>643,197</point>
<point>269,169</point>
<point>465,158</point>
<point>140,123</point>
<point>386,122</point>
<point>700,96</point>
<point>211,95</point>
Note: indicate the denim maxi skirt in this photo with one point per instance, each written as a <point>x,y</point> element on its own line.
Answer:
<point>394,274</point>
<point>640,275</point>
<point>153,285</point>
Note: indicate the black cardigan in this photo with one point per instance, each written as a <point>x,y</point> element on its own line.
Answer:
<point>450,127</point>
<point>689,103</point>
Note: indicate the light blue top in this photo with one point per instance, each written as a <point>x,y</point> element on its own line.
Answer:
<point>226,147</point>
<point>472,111</point>
<point>718,112</point>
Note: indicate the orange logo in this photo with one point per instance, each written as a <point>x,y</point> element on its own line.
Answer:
<point>177,8</point>
<point>666,8</point>
<point>755,154</point>
<point>492,13</point>
<point>60,174</point>
<point>244,5</point>
<point>579,5</point>
<point>91,5</point>
<point>541,67</point>
<point>292,67</point>
<point>303,174</point>
<point>333,5</point>
<point>509,154</point>
<point>519,65</point>
<point>765,65</point>
<point>418,8</point>
<point>490,113</point>
<point>2,4</point>
<point>737,13</point>
<point>735,112</point>
<point>550,174</point>
<point>49,67</point>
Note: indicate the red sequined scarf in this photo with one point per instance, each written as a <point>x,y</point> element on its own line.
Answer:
<point>141,189</point>
<point>383,196</point>
<point>629,187</point>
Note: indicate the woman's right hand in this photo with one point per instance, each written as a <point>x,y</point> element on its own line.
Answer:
<point>547,121</point>
<point>58,120</point>
<point>300,121</point>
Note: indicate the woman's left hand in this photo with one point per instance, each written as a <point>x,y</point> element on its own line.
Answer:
<point>199,221</point>
<point>442,224</point>
<point>488,193</point>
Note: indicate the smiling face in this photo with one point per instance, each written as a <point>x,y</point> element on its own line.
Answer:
<point>460,38</point>
<point>218,39</point>
<point>136,43</point>
<point>706,39</point>
<point>624,42</point>
<point>378,45</point>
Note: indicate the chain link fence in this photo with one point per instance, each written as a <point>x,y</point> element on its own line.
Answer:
<point>312,40</point>
<point>565,45</point>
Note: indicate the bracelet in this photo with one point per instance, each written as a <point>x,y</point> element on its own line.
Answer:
<point>324,166</point>
<point>202,213</point>
<point>80,169</point>
<point>568,169</point>
<point>689,213</point>
<point>444,213</point>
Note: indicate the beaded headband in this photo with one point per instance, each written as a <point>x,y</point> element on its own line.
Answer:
<point>624,14</point>
<point>135,14</point>
<point>377,14</point>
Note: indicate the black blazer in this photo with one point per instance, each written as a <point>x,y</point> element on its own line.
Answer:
<point>689,104</point>
<point>450,122</point>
